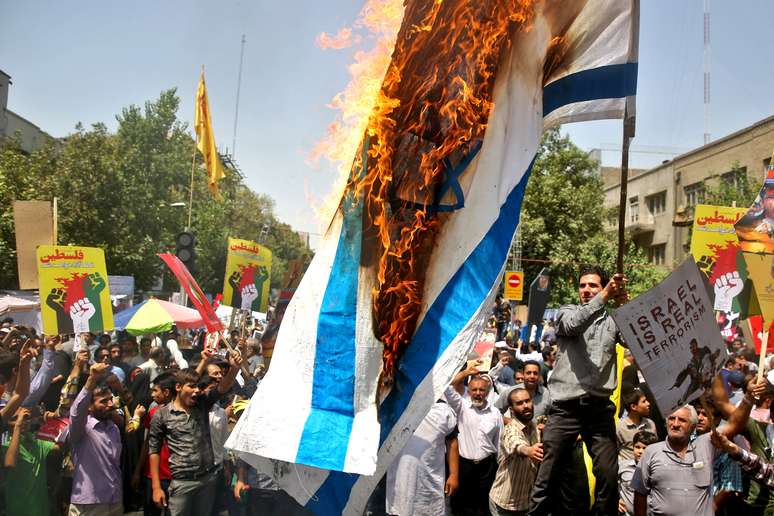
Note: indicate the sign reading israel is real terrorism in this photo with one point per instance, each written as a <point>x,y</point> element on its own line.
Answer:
<point>672,333</point>
<point>74,292</point>
<point>248,275</point>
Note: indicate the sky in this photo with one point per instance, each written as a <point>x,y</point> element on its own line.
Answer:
<point>84,61</point>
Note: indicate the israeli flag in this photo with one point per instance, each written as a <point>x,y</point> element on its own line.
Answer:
<point>315,413</point>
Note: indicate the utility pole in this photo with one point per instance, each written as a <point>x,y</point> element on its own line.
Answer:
<point>239,87</point>
<point>706,72</point>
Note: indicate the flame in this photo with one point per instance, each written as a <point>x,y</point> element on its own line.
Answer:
<point>380,21</point>
<point>402,122</point>
<point>345,38</point>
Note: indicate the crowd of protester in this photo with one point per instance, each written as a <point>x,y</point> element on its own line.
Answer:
<point>111,424</point>
<point>523,436</point>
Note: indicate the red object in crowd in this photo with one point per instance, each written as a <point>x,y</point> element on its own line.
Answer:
<point>164,472</point>
<point>195,293</point>
<point>756,327</point>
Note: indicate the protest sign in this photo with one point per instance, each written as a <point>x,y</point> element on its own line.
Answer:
<point>672,333</point>
<point>539,291</point>
<point>74,293</point>
<point>759,270</point>
<point>756,228</point>
<point>481,354</point>
<point>34,225</point>
<point>248,275</point>
<point>714,247</point>
<point>195,293</point>
<point>514,286</point>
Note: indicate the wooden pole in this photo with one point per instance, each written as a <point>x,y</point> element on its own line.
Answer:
<point>764,345</point>
<point>628,133</point>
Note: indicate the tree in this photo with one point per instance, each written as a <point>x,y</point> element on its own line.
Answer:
<point>116,191</point>
<point>737,190</point>
<point>563,221</point>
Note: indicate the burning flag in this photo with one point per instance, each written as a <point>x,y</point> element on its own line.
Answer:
<point>402,283</point>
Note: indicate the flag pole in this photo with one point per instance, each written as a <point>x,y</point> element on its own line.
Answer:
<point>193,158</point>
<point>191,186</point>
<point>628,133</point>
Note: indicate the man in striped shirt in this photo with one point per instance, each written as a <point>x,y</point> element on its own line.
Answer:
<point>518,459</point>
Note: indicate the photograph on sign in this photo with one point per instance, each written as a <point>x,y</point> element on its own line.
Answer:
<point>756,228</point>
<point>74,292</point>
<point>672,334</point>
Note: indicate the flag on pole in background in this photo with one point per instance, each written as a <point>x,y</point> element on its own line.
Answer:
<point>316,409</point>
<point>205,140</point>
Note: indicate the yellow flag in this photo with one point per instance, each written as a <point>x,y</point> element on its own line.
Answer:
<point>205,141</point>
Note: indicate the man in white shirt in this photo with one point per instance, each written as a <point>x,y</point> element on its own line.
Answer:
<point>480,425</point>
<point>415,479</point>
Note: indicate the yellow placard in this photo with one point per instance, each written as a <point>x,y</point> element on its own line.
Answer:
<point>74,294</point>
<point>514,285</point>
<point>714,233</point>
<point>248,275</point>
<point>759,270</point>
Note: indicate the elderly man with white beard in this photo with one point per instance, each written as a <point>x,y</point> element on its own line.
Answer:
<point>480,425</point>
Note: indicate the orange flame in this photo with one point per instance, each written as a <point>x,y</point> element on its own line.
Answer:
<point>378,20</point>
<point>433,107</point>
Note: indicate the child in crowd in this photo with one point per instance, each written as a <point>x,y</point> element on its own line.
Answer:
<point>626,468</point>
<point>636,419</point>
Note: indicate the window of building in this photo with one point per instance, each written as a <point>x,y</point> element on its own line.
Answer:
<point>657,203</point>
<point>735,178</point>
<point>657,254</point>
<point>634,210</point>
<point>694,194</point>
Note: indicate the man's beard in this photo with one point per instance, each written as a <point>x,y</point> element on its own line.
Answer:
<point>477,403</point>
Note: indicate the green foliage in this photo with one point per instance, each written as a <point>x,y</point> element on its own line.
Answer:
<point>115,191</point>
<point>563,221</point>
<point>741,192</point>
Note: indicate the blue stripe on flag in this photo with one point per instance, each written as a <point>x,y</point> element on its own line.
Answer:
<point>333,385</point>
<point>605,82</point>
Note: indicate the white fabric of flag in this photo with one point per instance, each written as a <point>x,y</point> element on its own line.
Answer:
<point>312,424</point>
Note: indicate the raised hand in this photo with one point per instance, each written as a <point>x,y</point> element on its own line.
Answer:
<point>80,312</point>
<point>727,286</point>
<point>249,294</point>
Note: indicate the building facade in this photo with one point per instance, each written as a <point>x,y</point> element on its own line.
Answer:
<point>660,200</point>
<point>32,137</point>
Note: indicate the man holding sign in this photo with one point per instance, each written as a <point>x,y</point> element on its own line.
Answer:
<point>584,377</point>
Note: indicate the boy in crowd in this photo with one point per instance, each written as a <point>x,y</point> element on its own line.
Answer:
<point>638,409</point>
<point>25,462</point>
<point>184,424</point>
<point>162,393</point>
<point>626,468</point>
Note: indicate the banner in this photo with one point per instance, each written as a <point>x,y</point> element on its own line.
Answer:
<point>714,247</point>
<point>514,286</point>
<point>74,294</point>
<point>481,354</point>
<point>539,291</point>
<point>672,333</point>
<point>33,223</point>
<point>248,275</point>
<point>195,294</point>
<point>756,228</point>
<point>759,270</point>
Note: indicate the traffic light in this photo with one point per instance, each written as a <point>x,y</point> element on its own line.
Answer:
<point>185,244</point>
